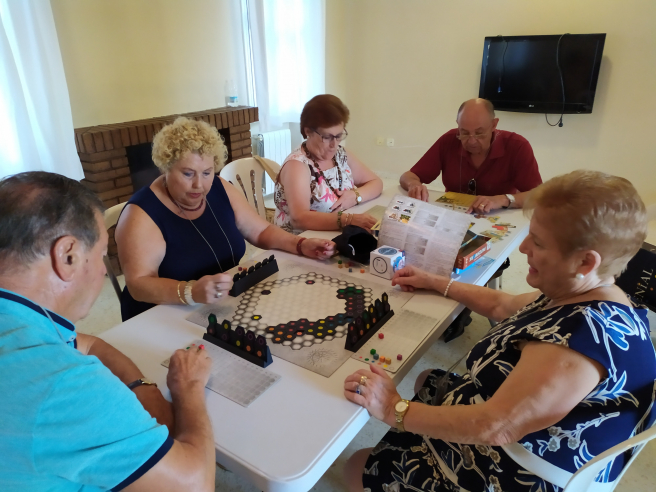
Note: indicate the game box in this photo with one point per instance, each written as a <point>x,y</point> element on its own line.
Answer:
<point>472,251</point>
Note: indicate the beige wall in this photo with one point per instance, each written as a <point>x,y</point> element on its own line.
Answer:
<point>134,59</point>
<point>404,67</point>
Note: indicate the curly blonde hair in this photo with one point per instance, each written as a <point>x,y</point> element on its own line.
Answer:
<point>593,210</point>
<point>184,135</point>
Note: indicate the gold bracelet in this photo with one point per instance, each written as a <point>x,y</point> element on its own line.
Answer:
<point>339,219</point>
<point>179,296</point>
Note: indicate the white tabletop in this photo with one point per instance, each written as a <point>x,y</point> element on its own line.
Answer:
<point>288,437</point>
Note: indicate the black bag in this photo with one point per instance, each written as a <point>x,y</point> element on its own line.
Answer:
<point>356,243</point>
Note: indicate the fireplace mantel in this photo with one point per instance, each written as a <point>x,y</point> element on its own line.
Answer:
<point>105,163</point>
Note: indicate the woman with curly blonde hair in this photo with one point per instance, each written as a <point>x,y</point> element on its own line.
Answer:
<point>177,237</point>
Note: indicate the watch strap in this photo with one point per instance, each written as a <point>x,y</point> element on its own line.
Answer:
<point>358,197</point>
<point>401,416</point>
<point>140,382</point>
<point>511,200</point>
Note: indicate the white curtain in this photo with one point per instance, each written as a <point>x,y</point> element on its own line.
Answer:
<point>288,46</point>
<point>36,125</point>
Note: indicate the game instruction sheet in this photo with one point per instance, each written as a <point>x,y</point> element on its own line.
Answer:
<point>430,235</point>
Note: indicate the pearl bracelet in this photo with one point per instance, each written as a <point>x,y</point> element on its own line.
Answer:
<point>187,293</point>
<point>446,291</point>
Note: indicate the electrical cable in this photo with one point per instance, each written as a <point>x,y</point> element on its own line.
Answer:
<point>559,123</point>
<point>503,63</point>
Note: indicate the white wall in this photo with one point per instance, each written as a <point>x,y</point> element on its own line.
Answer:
<point>135,59</point>
<point>404,67</point>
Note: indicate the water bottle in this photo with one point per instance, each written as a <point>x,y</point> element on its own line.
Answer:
<point>231,97</point>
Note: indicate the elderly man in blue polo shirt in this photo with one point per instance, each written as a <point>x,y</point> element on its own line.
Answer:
<point>75,413</point>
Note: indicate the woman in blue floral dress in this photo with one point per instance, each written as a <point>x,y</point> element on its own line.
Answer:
<point>568,372</point>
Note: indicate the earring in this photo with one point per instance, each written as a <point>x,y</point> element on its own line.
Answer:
<point>579,276</point>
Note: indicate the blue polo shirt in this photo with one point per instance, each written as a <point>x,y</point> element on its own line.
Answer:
<point>66,422</point>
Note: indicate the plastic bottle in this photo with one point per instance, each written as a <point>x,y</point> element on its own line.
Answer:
<point>231,97</point>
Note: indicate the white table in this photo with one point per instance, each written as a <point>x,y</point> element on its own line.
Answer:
<point>288,437</point>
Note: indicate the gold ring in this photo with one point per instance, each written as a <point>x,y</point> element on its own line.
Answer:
<point>363,380</point>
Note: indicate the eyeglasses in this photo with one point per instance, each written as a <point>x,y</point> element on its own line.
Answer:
<point>477,136</point>
<point>329,138</point>
<point>471,186</point>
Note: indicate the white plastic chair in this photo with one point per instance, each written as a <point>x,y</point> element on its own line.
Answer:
<point>111,218</point>
<point>584,478</point>
<point>248,174</point>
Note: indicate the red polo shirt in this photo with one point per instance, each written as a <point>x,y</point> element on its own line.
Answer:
<point>509,167</point>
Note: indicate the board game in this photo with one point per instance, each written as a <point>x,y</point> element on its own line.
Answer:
<point>304,312</point>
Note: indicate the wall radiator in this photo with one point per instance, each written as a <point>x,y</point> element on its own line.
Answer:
<point>275,146</point>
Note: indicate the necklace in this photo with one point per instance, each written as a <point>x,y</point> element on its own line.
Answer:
<point>201,234</point>
<point>316,164</point>
<point>166,187</point>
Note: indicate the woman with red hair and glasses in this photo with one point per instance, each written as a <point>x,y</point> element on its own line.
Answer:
<point>320,180</point>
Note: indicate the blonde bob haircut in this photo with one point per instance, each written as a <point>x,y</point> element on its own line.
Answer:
<point>184,135</point>
<point>590,210</point>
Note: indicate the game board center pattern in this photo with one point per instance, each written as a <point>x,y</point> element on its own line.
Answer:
<point>302,310</point>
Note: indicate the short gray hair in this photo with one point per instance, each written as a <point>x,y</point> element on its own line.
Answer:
<point>37,208</point>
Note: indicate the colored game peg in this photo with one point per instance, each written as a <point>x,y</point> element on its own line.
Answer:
<point>212,325</point>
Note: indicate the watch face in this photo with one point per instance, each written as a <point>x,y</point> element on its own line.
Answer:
<point>401,406</point>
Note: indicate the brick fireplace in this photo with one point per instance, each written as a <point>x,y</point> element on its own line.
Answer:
<point>102,151</point>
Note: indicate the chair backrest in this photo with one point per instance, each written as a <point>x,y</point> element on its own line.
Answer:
<point>584,478</point>
<point>248,175</point>
<point>111,218</point>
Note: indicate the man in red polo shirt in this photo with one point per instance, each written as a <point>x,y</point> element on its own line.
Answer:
<point>478,159</point>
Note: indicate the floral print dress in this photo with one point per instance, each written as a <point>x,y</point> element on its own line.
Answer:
<point>321,196</point>
<point>615,335</point>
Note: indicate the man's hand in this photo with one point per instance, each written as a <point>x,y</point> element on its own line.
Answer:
<point>484,204</point>
<point>418,191</point>
<point>188,368</point>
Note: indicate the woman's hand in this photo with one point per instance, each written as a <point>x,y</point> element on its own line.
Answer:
<point>347,199</point>
<point>318,248</point>
<point>378,394</point>
<point>210,288</point>
<point>411,278</point>
<point>365,221</point>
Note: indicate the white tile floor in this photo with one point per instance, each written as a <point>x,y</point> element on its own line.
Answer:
<point>640,478</point>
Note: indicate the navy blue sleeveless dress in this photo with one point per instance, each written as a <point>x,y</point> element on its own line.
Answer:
<point>188,257</point>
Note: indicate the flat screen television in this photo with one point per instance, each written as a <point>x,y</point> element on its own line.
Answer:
<point>521,73</point>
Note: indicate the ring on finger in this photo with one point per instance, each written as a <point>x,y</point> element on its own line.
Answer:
<point>363,380</point>
<point>218,294</point>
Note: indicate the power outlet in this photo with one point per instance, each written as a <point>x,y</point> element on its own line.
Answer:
<point>380,141</point>
<point>390,142</point>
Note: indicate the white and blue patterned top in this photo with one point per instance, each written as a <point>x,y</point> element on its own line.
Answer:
<point>616,336</point>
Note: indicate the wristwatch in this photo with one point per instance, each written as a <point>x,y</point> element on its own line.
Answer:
<point>358,198</point>
<point>400,409</point>
<point>140,382</point>
<point>511,200</point>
